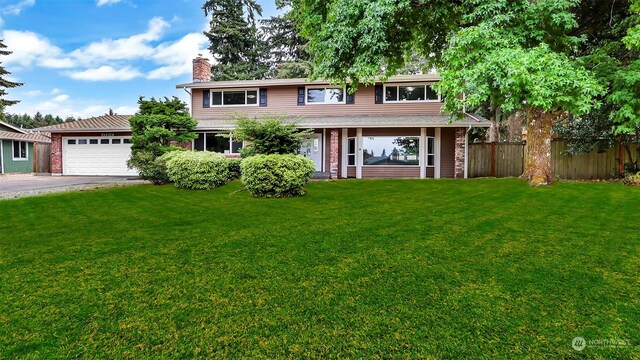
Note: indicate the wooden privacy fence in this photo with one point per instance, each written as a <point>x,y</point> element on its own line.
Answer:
<point>496,159</point>
<point>42,158</point>
<point>507,159</point>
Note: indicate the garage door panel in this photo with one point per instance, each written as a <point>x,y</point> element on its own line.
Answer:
<point>96,159</point>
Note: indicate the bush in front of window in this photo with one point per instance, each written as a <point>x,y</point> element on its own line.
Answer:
<point>276,175</point>
<point>233,165</point>
<point>268,135</point>
<point>198,170</point>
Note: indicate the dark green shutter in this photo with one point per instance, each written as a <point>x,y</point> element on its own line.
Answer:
<point>351,97</point>
<point>263,97</point>
<point>379,90</point>
<point>205,98</point>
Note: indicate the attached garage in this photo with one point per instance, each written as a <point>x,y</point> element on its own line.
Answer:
<point>104,155</point>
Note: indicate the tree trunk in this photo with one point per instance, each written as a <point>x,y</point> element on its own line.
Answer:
<point>537,166</point>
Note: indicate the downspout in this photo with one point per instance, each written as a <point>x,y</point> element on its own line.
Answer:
<point>1,156</point>
<point>191,99</point>
<point>466,151</point>
<point>193,142</point>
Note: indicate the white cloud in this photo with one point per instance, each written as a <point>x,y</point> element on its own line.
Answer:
<point>107,2</point>
<point>109,59</point>
<point>29,47</point>
<point>126,110</point>
<point>33,93</point>
<point>177,57</point>
<point>61,98</point>
<point>106,73</point>
<point>17,8</point>
<point>132,47</point>
<point>55,91</point>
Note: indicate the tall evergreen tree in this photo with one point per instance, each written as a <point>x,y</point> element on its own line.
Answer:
<point>4,83</point>
<point>236,43</point>
<point>288,48</point>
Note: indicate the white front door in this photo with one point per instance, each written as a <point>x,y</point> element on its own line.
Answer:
<point>85,155</point>
<point>312,149</point>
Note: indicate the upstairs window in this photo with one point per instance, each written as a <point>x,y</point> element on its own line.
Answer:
<point>234,98</point>
<point>325,95</point>
<point>20,150</point>
<point>414,92</point>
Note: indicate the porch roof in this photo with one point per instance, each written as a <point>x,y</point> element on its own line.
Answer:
<point>382,121</point>
<point>28,137</point>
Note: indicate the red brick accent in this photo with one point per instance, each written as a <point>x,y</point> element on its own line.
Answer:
<point>185,145</point>
<point>201,69</point>
<point>333,155</point>
<point>56,154</point>
<point>459,150</point>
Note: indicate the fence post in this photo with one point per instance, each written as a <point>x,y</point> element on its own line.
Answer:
<point>621,159</point>
<point>493,159</point>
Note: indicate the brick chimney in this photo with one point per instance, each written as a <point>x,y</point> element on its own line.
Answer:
<point>201,69</point>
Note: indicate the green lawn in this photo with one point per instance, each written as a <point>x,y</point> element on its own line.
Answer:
<point>436,268</point>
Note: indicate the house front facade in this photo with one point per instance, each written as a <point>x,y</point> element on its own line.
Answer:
<point>386,130</point>
<point>17,149</point>
<point>393,129</point>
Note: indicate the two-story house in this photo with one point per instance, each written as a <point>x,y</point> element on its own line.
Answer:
<point>387,130</point>
<point>390,129</point>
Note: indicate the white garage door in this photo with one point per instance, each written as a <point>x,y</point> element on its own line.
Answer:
<point>96,156</point>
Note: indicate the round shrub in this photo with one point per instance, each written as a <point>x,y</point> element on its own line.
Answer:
<point>151,167</point>
<point>198,170</point>
<point>276,175</point>
<point>233,164</point>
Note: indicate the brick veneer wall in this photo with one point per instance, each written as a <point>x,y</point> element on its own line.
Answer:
<point>459,150</point>
<point>56,154</point>
<point>334,152</point>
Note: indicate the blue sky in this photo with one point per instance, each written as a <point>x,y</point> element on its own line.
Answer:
<point>82,57</point>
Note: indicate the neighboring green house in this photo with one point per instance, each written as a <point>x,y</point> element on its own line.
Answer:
<point>17,148</point>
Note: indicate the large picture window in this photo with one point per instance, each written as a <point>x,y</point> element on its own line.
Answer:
<point>325,95</point>
<point>234,97</point>
<point>20,150</point>
<point>216,142</point>
<point>391,150</point>
<point>416,92</point>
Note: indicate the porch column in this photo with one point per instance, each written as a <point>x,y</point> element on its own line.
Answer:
<point>459,153</point>
<point>56,154</point>
<point>436,163</point>
<point>345,159</point>
<point>359,157</point>
<point>333,154</point>
<point>422,153</point>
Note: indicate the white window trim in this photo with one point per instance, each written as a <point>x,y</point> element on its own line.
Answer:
<point>307,88</point>
<point>384,94</point>
<point>234,90</point>
<point>193,142</point>
<point>26,144</point>
<point>426,153</point>
<point>392,166</point>
<point>355,154</point>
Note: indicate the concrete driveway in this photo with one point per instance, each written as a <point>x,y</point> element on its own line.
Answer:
<point>12,186</point>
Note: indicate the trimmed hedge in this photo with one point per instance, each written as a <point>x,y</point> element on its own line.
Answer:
<point>198,170</point>
<point>233,165</point>
<point>276,175</point>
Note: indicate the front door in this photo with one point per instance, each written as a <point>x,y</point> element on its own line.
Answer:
<point>312,149</point>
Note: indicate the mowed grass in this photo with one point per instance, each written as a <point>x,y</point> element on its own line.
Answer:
<point>355,269</point>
